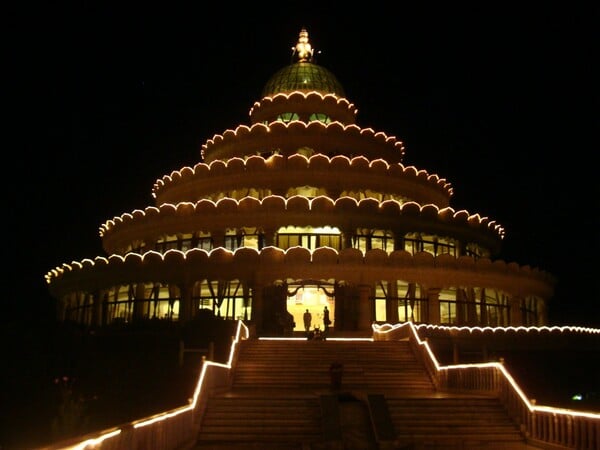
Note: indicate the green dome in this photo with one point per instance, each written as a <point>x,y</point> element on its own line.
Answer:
<point>303,76</point>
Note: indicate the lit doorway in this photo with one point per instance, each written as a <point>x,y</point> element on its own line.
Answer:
<point>314,297</point>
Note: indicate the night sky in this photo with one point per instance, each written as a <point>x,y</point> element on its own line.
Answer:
<point>498,100</point>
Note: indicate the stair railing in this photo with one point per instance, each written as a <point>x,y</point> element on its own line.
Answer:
<point>563,428</point>
<point>174,429</point>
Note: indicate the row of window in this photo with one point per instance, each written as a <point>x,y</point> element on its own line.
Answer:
<point>228,299</point>
<point>314,238</point>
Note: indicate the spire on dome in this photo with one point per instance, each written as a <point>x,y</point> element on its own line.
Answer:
<point>303,51</point>
<point>303,74</point>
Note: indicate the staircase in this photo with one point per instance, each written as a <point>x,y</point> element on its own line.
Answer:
<point>284,396</point>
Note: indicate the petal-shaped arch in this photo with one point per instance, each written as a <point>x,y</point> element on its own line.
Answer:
<point>298,204</point>
<point>411,171</point>
<point>187,173</point>
<point>197,256</point>
<point>174,257</point>
<point>465,262</point>
<point>201,170</point>
<point>319,162</point>
<point>424,259</point>
<point>236,165</point>
<point>400,258</point>
<point>297,255</point>
<point>249,204</point>
<point>227,205</point>
<point>218,167</point>
<point>461,216</point>
<point>446,214</point>
<point>272,255</point>
<point>376,256</point>
<point>220,255</point>
<point>390,208</point>
<point>148,258</point>
<point>273,203</point>
<point>340,163</point>
<point>380,166</point>
<point>297,161</point>
<point>325,255</point>
<point>168,210</point>
<point>360,163</point>
<point>351,256</point>
<point>186,209</point>
<point>369,207</point>
<point>247,257</point>
<point>255,163</point>
<point>412,209</point>
<point>322,203</point>
<point>206,207</point>
<point>445,260</point>
<point>430,212</point>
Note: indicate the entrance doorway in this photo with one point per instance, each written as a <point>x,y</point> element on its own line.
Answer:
<point>314,297</point>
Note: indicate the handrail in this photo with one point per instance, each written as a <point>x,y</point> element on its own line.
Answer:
<point>563,428</point>
<point>173,429</point>
<point>178,428</point>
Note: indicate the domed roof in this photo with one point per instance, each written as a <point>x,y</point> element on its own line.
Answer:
<point>303,75</point>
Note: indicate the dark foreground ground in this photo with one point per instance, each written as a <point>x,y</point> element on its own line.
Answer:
<point>62,381</point>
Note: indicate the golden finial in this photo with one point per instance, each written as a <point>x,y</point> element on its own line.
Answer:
<point>303,49</point>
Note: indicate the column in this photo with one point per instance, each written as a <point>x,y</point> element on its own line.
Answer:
<point>398,241</point>
<point>185,303</point>
<point>391,304</point>
<point>515,312</point>
<point>257,306</point>
<point>483,309</point>
<point>97,308</point>
<point>433,300</point>
<point>269,237</point>
<point>365,316</point>
<point>347,236</point>
<point>139,303</point>
<point>218,238</point>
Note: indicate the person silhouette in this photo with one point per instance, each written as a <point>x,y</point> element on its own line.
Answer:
<point>326,321</point>
<point>307,320</point>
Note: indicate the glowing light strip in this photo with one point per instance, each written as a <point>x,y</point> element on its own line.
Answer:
<point>519,328</point>
<point>304,339</point>
<point>387,328</point>
<point>93,442</point>
<point>163,416</point>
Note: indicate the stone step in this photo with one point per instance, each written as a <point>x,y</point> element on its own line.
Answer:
<point>464,436</point>
<point>282,395</point>
<point>256,438</point>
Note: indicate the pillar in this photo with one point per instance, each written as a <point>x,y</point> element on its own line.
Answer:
<point>483,309</point>
<point>542,312</point>
<point>365,315</point>
<point>391,304</point>
<point>185,305</point>
<point>269,237</point>
<point>257,306</point>
<point>218,238</point>
<point>347,236</point>
<point>515,311</point>
<point>139,303</point>
<point>97,308</point>
<point>433,305</point>
<point>398,240</point>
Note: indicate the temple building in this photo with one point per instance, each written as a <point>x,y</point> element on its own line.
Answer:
<point>300,209</point>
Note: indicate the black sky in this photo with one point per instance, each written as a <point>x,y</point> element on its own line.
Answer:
<point>500,100</point>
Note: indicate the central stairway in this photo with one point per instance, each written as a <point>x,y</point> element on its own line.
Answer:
<point>346,395</point>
